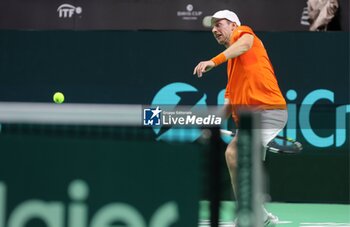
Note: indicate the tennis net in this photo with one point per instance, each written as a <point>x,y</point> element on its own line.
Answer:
<point>127,166</point>
<point>102,159</point>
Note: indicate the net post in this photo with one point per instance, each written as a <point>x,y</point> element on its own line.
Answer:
<point>215,157</point>
<point>249,172</point>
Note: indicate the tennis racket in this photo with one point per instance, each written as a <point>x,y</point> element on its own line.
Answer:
<point>288,146</point>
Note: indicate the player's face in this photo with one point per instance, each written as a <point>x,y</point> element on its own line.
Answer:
<point>222,30</point>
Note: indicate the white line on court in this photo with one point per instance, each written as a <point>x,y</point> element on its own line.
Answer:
<point>323,224</point>
<point>206,223</point>
<point>284,222</point>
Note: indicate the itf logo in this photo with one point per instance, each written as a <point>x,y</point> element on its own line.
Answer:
<point>67,10</point>
<point>151,116</point>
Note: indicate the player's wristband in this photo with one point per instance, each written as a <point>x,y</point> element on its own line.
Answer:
<point>219,59</point>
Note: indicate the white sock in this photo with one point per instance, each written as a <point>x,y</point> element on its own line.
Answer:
<point>264,213</point>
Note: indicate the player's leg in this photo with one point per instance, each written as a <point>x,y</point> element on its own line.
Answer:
<point>231,161</point>
<point>272,122</point>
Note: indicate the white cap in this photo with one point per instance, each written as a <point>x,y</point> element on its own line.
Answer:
<point>222,14</point>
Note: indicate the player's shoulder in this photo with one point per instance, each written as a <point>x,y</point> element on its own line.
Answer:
<point>244,29</point>
<point>240,31</point>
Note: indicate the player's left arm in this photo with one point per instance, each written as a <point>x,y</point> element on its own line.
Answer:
<point>227,109</point>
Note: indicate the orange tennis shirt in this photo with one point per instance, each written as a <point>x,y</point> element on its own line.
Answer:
<point>251,78</point>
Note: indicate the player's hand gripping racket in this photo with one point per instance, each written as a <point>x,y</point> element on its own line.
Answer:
<point>289,145</point>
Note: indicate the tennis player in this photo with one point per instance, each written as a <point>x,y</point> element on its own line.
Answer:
<point>251,83</point>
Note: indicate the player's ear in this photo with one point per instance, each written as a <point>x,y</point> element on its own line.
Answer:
<point>233,26</point>
<point>236,25</point>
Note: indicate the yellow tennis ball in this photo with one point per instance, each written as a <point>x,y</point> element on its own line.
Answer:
<point>58,97</point>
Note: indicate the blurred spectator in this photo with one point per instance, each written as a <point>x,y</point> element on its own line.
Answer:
<point>321,13</point>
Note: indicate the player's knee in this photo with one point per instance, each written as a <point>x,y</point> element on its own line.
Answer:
<point>231,154</point>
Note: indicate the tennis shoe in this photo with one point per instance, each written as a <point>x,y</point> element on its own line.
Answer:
<point>271,220</point>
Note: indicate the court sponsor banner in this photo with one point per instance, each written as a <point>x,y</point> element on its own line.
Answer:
<point>157,14</point>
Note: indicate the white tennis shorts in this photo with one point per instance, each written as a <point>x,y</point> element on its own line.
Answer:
<point>272,122</point>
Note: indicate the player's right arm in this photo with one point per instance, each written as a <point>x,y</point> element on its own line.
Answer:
<point>202,67</point>
<point>238,48</point>
<point>242,45</point>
